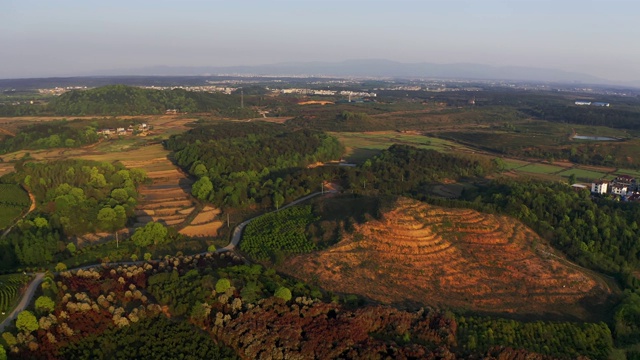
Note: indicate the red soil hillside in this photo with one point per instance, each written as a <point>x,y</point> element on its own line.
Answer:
<point>418,253</point>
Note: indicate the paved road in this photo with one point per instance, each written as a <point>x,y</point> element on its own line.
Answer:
<point>235,240</point>
<point>26,299</point>
<point>237,232</point>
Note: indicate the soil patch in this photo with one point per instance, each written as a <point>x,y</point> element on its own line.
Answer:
<point>203,230</point>
<point>207,215</point>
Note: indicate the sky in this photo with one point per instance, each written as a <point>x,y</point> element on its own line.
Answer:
<point>83,37</point>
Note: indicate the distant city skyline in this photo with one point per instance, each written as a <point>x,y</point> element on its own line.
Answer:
<point>73,37</point>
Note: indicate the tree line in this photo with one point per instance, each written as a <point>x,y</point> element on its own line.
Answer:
<point>115,100</point>
<point>47,135</point>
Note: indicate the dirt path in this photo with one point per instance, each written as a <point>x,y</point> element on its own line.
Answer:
<point>7,132</point>
<point>26,299</point>
<point>31,208</point>
<point>604,280</point>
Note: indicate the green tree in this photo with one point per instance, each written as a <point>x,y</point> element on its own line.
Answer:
<point>41,222</point>
<point>120,195</point>
<point>27,321</point>
<point>71,247</point>
<point>107,218</point>
<point>278,199</point>
<point>44,304</point>
<point>222,285</point>
<point>9,339</point>
<point>147,256</point>
<point>202,188</point>
<point>200,170</point>
<point>152,233</point>
<point>60,267</point>
<point>283,293</point>
<point>3,353</point>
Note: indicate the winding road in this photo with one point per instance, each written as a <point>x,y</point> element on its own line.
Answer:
<point>237,232</point>
<point>26,299</point>
<point>235,240</point>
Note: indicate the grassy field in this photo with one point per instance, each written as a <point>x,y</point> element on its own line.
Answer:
<point>583,175</point>
<point>540,169</point>
<point>363,145</point>
<point>512,164</point>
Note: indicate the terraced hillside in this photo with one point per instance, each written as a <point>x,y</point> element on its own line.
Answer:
<point>166,200</point>
<point>423,254</point>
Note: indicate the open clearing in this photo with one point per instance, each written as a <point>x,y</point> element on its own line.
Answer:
<point>423,254</point>
<point>362,145</point>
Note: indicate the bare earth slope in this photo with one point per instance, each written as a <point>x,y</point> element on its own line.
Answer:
<point>418,253</point>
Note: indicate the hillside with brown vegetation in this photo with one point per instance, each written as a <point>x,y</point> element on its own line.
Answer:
<point>423,254</point>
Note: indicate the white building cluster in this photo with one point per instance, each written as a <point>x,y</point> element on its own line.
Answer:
<point>624,186</point>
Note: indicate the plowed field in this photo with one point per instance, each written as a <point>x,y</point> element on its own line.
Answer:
<point>418,253</point>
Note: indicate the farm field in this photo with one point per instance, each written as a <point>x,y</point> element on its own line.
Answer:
<point>13,202</point>
<point>460,258</point>
<point>167,200</point>
<point>10,286</point>
<point>205,224</point>
<point>512,164</point>
<point>540,169</point>
<point>583,174</point>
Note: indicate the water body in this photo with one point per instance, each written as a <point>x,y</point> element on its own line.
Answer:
<point>595,138</point>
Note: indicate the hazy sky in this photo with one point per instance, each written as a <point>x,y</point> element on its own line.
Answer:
<point>64,37</point>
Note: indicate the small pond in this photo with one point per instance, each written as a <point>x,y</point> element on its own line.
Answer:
<point>595,138</point>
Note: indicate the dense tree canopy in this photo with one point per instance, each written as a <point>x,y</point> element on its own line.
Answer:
<point>73,197</point>
<point>51,134</point>
<point>152,338</point>
<point>243,163</point>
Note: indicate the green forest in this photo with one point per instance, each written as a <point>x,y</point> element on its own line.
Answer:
<point>115,100</point>
<point>238,164</point>
<point>54,134</point>
<point>73,197</point>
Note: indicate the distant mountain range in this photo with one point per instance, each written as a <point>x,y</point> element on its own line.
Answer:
<point>374,68</point>
<point>371,68</point>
